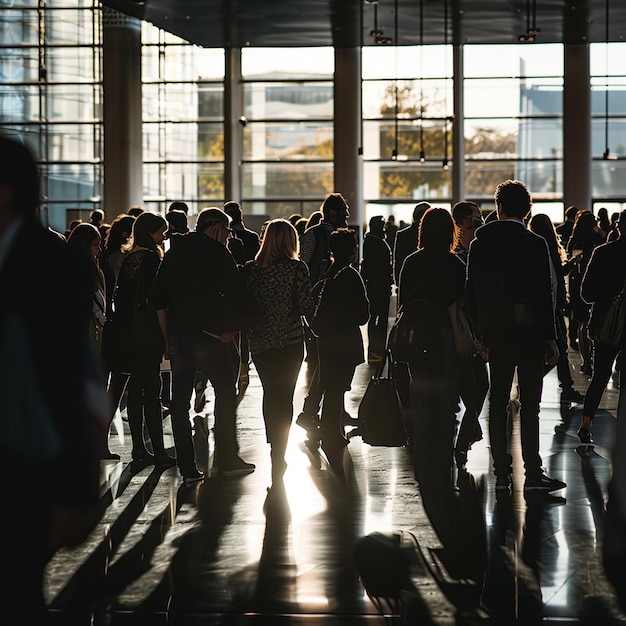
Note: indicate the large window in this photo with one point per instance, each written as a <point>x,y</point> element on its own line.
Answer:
<point>608,124</point>
<point>183,122</point>
<point>51,98</point>
<point>513,124</point>
<point>287,164</point>
<point>407,129</point>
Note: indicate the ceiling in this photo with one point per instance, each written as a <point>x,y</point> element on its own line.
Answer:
<point>286,23</point>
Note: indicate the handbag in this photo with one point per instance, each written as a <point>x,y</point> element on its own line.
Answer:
<point>413,335</point>
<point>380,419</point>
<point>611,329</point>
<point>465,343</point>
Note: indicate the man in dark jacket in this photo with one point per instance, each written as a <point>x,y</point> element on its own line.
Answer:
<point>510,300</point>
<point>314,250</point>
<point>406,239</point>
<point>49,461</point>
<point>198,296</point>
<point>377,275</point>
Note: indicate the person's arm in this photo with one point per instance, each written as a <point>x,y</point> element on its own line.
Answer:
<point>162,319</point>
<point>303,290</point>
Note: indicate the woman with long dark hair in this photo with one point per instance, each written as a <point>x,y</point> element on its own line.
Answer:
<point>86,237</point>
<point>585,237</point>
<point>560,267</point>
<point>139,342</point>
<point>434,277</point>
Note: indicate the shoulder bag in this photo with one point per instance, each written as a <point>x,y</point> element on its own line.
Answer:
<point>465,343</point>
<point>412,329</point>
<point>380,421</point>
<point>611,329</point>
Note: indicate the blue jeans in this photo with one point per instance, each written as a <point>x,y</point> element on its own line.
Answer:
<point>220,363</point>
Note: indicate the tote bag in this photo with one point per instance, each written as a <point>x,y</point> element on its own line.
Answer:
<point>611,329</point>
<point>380,420</point>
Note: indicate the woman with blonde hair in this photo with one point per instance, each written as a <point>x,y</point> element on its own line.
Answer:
<point>280,286</point>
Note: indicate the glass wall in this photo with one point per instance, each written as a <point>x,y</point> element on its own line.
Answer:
<point>407,129</point>
<point>608,124</point>
<point>51,98</point>
<point>287,164</point>
<point>183,122</point>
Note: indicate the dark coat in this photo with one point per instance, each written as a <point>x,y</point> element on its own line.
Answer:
<point>406,243</point>
<point>508,286</point>
<point>343,342</point>
<point>139,338</point>
<point>46,287</point>
<point>200,286</point>
<point>604,277</point>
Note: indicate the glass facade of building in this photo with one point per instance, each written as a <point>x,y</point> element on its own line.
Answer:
<point>51,96</point>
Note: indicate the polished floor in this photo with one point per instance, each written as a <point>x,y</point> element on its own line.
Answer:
<point>223,552</point>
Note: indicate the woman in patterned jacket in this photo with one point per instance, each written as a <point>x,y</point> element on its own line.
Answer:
<point>280,286</point>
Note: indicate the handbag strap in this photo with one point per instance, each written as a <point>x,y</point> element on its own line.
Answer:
<point>386,362</point>
<point>421,280</point>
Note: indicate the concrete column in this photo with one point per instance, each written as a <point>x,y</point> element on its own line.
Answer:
<point>121,81</point>
<point>233,125</point>
<point>458,133</point>
<point>348,165</point>
<point>577,186</point>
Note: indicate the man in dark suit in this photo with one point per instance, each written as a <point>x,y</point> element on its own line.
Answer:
<point>406,239</point>
<point>510,300</point>
<point>49,461</point>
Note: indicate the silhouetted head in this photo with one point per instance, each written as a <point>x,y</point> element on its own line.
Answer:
<point>19,178</point>
<point>513,199</point>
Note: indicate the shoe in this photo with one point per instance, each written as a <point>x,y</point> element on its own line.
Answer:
<point>543,483</point>
<point>584,434</point>
<point>196,477</point>
<point>503,484</point>
<point>572,396</point>
<point>236,467</point>
<point>310,423</point>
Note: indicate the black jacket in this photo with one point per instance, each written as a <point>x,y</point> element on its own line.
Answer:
<point>200,286</point>
<point>47,288</point>
<point>604,277</point>
<point>508,286</point>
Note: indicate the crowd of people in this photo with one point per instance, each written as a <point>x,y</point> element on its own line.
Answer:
<point>303,289</point>
<point>145,290</point>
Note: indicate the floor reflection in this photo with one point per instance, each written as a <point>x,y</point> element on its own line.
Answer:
<point>231,551</point>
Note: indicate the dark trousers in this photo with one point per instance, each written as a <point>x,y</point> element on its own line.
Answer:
<point>278,369</point>
<point>334,383</point>
<point>144,403</point>
<point>433,411</point>
<point>603,358</point>
<point>313,399</point>
<point>563,366</point>
<point>220,363</point>
<point>378,322</point>
<point>530,370</point>
<point>473,385</point>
